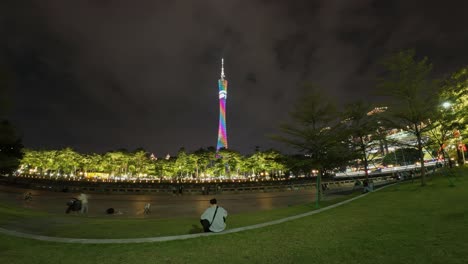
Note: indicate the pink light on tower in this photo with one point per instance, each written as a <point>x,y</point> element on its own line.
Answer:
<point>222,132</point>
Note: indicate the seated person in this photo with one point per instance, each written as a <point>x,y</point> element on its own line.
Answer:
<point>112,211</point>
<point>28,196</point>
<point>214,218</point>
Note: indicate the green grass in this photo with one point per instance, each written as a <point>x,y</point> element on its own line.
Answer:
<point>109,227</point>
<point>401,224</point>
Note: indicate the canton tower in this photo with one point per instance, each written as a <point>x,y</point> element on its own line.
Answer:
<point>222,133</point>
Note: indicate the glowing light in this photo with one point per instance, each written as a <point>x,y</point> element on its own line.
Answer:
<point>222,132</point>
<point>446,105</point>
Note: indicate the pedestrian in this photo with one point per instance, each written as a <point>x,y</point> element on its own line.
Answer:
<point>214,218</point>
<point>147,209</point>
<point>84,203</point>
<point>357,184</point>
<point>366,186</point>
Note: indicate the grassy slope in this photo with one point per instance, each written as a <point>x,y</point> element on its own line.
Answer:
<point>114,227</point>
<point>403,224</point>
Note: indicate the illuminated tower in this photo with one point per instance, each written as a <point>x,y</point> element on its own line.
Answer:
<point>222,133</point>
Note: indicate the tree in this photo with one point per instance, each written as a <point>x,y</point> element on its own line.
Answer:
<point>274,164</point>
<point>5,101</point>
<point>68,160</point>
<point>50,160</point>
<point>204,157</point>
<point>182,163</point>
<point>10,148</point>
<point>31,161</point>
<point>10,142</point>
<point>138,162</point>
<point>316,131</point>
<point>441,131</point>
<point>231,160</point>
<point>296,165</point>
<point>362,125</point>
<point>412,97</point>
<point>96,163</point>
<point>116,162</point>
<point>453,105</point>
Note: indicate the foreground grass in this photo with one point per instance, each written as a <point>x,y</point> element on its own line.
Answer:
<point>110,227</point>
<point>401,224</point>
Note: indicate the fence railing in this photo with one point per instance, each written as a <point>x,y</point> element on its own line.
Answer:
<point>183,188</point>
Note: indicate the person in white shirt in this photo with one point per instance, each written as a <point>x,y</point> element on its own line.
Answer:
<point>84,203</point>
<point>214,218</point>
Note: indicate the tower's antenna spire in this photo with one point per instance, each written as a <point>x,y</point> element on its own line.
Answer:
<point>222,69</point>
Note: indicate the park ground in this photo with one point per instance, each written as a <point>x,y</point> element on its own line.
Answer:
<point>404,223</point>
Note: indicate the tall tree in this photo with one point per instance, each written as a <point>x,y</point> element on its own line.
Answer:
<point>4,97</point>
<point>452,122</point>
<point>10,148</point>
<point>316,131</point>
<point>68,160</point>
<point>10,143</point>
<point>412,96</point>
<point>361,121</point>
<point>138,162</point>
<point>182,163</point>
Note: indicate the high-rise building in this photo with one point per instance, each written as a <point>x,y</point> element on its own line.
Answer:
<point>222,133</point>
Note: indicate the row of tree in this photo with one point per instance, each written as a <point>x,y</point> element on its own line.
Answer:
<point>139,163</point>
<point>411,99</point>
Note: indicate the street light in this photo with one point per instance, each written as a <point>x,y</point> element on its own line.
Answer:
<point>446,105</point>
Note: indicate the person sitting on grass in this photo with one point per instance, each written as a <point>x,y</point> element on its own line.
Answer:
<point>214,218</point>
<point>112,211</point>
<point>28,196</point>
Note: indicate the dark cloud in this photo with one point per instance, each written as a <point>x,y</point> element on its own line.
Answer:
<point>100,75</point>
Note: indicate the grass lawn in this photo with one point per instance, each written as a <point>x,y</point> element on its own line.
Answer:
<point>77,226</point>
<point>400,224</point>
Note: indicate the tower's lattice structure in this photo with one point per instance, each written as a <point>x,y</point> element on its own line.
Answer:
<point>222,132</point>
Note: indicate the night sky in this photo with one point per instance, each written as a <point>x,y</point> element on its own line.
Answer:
<point>102,75</point>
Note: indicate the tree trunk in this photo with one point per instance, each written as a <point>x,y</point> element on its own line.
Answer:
<point>445,155</point>
<point>366,163</point>
<point>318,187</point>
<point>421,156</point>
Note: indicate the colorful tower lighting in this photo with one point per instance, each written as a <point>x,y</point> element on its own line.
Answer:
<point>222,133</point>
